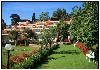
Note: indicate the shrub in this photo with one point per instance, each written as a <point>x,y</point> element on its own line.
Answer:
<point>26,63</point>
<point>34,60</point>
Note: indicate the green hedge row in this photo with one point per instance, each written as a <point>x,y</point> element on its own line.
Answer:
<point>34,60</point>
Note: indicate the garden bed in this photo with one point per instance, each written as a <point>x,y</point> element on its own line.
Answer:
<point>36,59</point>
<point>18,50</point>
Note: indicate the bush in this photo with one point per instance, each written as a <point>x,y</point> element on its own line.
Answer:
<point>25,64</point>
<point>34,60</point>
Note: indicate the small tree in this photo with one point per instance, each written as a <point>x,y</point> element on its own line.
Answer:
<point>14,35</point>
<point>47,36</point>
<point>30,34</point>
<point>44,16</point>
<point>62,29</point>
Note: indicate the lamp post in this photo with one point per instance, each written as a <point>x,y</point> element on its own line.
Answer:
<point>8,48</point>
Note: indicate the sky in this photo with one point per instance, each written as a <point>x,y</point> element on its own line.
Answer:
<point>26,9</point>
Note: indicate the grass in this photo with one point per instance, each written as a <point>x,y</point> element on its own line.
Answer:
<point>17,50</point>
<point>67,57</point>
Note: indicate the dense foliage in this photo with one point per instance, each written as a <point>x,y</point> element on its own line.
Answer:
<point>62,30</point>
<point>60,14</point>
<point>47,36</point>
<point>14,35</point>
<point>30,34</point>
<point>85,24</point>
<point>44,16</point>
<point>33,17</point>
<point>3,24</point>
<point>34,60</point>
<point>15,18</point>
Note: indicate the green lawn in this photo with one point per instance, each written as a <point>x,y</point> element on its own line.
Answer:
<point>67,57</point>
<point>17,50</point>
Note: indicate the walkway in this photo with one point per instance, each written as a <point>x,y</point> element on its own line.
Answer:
<point>67,57</point>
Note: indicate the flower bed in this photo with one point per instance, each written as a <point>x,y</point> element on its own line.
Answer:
<point>19,58</point>
<point>81,46</point>
<point>34,60</point>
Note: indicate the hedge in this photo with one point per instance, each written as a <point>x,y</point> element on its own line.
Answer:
<point>34,60</point>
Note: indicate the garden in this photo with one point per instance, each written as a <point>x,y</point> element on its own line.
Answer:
<point>60,47</point>
<point>67,57</point>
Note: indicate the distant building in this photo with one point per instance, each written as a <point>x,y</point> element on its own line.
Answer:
<point>37,26</point>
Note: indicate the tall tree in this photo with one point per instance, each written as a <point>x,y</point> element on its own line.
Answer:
<point>33,17</point>
<point>15,18</point>
<point>44,16</point>
<point>60,14</point>
<point>85,24</point>
<point>75,26</point>
<point>3,24</point>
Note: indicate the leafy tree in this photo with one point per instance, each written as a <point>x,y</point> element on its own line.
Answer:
<point>24,38</point>
<point>60,13</point>
<point>47,36</point>
<point>44,16</point>
<point>62,29</point>
<point>14,35</point>
<point>75,26</point>
<point>15,18</point>
<point>30,34</point>
<point>3,24</point>
<point>65,33</point>
<point>85,24</point>
<point>91,9</point>
<point>58,29</point>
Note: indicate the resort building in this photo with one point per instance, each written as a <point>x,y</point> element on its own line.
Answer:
<point>36,26</point>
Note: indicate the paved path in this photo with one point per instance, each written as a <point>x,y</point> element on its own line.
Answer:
<point>67,57</point>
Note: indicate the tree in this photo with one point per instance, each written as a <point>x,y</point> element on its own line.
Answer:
<point>75,31</point>
<point>30,34</point>
<point>3,24</point>
<point>60,14</point>
<point>47,36</point>
<point>44,16</point>
<point>24,38</point>
<point>14,35</point>
<point>33,17</point>
<point>15,18</point>
<point>65,31</point>
<point>62,30</point>
<point>85,24</point>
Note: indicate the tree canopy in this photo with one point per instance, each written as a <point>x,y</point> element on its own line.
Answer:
<point>85,23</point>
<point>60,13</point>
<point>62,29</point>
<point>15,18</point>
<point>3,24</point>
<point>44,16</point>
